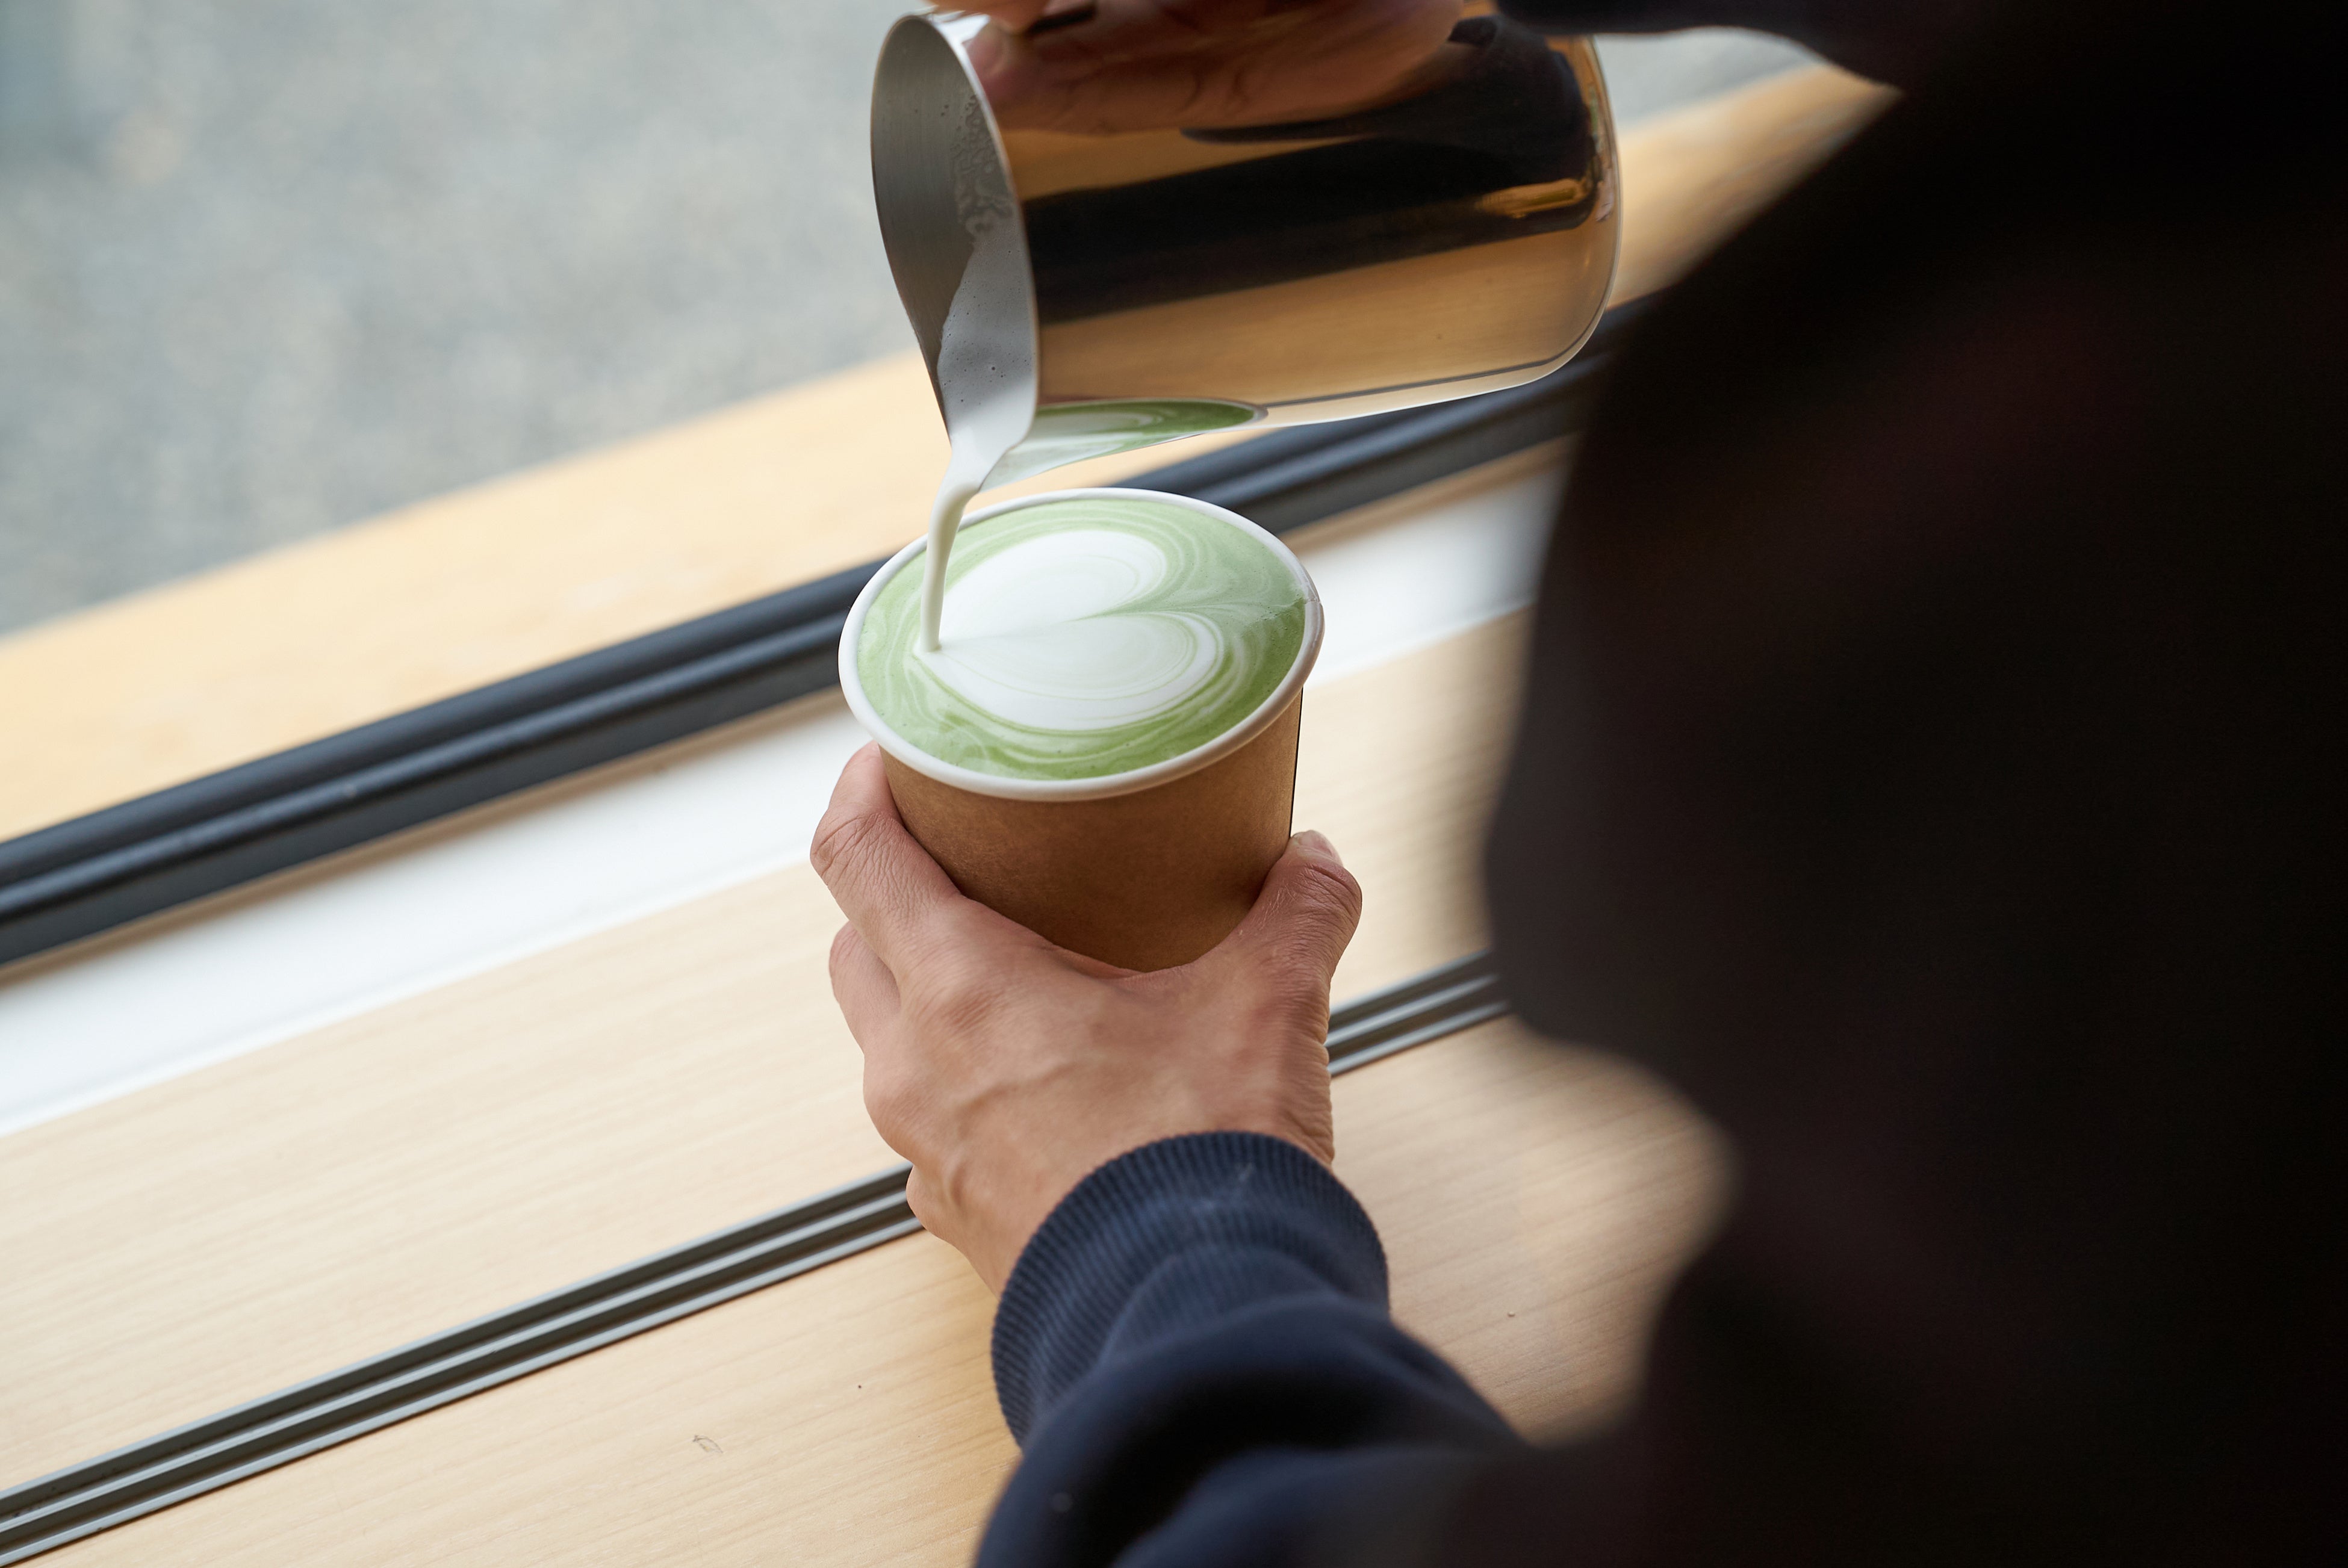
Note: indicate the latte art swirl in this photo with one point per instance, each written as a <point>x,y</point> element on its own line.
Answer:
<point>1085,637</point>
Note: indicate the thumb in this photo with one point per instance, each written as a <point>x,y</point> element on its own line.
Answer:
<point>898,898</point>
<point>1303,918</point>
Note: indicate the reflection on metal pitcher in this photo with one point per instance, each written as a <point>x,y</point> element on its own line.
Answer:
<point>1161,283</point>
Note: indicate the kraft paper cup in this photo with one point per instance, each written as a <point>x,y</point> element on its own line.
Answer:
<point>1145,869</point>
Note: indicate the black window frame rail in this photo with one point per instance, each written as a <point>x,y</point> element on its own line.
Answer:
<point>93,874</point>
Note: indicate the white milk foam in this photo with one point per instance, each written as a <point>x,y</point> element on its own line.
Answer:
<point>1086,635</point>
<point>1038,640</point>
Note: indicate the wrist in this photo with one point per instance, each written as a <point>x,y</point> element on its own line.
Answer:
<point>1161,1225</point>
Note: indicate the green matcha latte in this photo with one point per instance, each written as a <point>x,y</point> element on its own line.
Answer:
<point>1086,635</point>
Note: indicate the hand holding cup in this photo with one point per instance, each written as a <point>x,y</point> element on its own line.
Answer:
<point>1007,1069</point>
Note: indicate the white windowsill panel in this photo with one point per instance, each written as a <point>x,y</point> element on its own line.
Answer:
<point>465,897</point>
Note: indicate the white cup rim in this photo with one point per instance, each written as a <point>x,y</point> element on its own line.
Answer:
<point>1108,784</point>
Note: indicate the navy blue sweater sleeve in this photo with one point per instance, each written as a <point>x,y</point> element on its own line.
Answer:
<point>1194,1352</point>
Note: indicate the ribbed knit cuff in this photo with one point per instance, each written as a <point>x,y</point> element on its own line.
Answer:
<point>1191,1220</point>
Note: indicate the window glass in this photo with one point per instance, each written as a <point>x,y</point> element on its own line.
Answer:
<point>271,266</point>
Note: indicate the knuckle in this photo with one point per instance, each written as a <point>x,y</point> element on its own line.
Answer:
<point>1291,1000</point>
<point>921,1199</point>
<point>892,1100</point>
<point>1329,890</point>
<point>1281,989</point>
<point>961,994</point>
<point>935,1197</point>
<point>843,840</point>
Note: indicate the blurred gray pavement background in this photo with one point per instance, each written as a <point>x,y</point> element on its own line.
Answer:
<point>269,266</point>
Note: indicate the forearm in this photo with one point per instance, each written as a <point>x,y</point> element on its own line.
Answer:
<point>1196,1354</point>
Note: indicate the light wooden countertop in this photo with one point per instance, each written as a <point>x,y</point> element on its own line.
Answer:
<point>199,1243</point>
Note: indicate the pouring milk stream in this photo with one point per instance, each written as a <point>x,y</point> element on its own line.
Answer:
<point>984,367</point>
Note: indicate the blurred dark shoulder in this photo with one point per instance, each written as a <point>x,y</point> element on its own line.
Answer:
<point>1888,42</point>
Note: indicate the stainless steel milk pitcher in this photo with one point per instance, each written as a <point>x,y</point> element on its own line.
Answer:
<point>1161,283</point>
